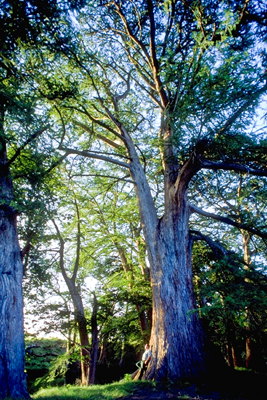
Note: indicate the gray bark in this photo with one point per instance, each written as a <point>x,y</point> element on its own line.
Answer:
<point>177,338</point>
<point>12,350</point>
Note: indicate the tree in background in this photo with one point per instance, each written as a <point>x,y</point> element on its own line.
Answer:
<point>92,234</point>
<point>230,280</point>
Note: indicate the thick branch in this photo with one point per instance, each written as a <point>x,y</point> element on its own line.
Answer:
<point>153,54</point>
<point>217,248</point>
<point>228,221</point>
<point>231,166</point>
<point>191,167</point>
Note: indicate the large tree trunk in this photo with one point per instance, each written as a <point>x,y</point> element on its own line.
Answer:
<point>12,350</point>
<point>177,338</point>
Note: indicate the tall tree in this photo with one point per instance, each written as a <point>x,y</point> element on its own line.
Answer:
<point>23,23</point>
<point>167,91</point>
<point>16,111</point>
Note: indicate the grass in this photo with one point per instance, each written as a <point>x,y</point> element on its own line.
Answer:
<point>236,385</point>
<point>97,392</point>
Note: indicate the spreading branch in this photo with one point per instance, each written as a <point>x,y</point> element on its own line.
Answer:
<point>231,166</point>
<point>228,221</point>
<point>98,136</point>
<point>90,154</point>
<point>105,176</point>
<point>218,249</point>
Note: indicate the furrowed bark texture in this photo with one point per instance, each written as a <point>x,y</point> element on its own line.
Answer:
<point>12,350</point>
<point>177,338</point>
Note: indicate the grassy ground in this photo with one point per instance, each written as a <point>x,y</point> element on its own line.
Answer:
<point>237,385</point>
<point>98,392</point>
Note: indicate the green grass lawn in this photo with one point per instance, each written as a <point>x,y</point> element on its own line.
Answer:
<point>97,392</point>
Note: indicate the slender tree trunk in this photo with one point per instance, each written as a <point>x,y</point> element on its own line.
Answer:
<point>12,350</point>
<point>94,347</point>
<point>231,347</point>
<point>247,260</point>
<point>248,344</point>
<point>78,306</point>
<point>82,327</point>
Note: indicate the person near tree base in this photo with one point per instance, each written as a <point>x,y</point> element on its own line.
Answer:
<point>146,357</point>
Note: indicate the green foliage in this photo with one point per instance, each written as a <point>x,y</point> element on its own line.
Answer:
<point>41,352</point>
<point>44,360</point>
<point>232,297</point>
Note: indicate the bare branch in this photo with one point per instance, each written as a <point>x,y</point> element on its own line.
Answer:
<point>95,120</point>
<point>131,36</point>
<point>55,164</point>
<point>125,94</point>
<point>63,125</point>
<point>61,251</point>
<point>168,27</point>
<point>155,69</point>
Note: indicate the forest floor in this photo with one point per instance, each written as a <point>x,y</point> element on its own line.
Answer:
<point>239,385</point>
